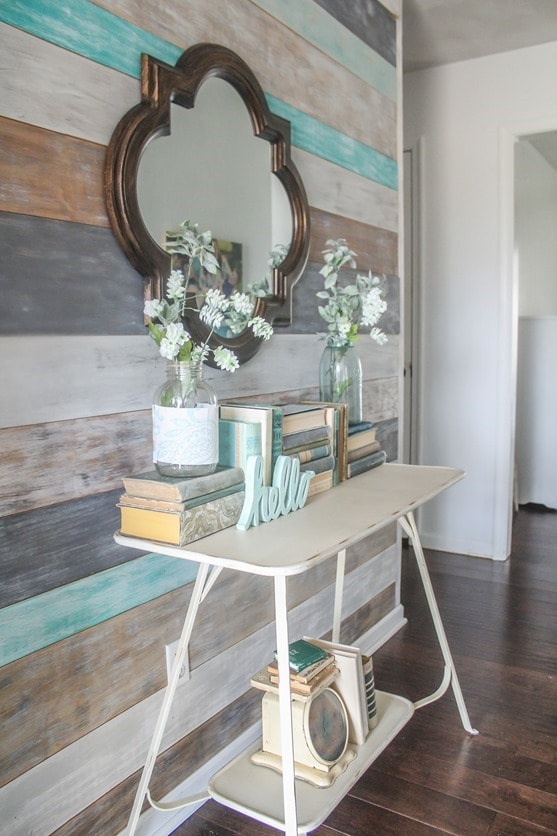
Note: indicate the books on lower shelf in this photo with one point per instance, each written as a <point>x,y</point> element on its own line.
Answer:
<point>350,686</point>
<point>311,669</point>
<point>366,463</point>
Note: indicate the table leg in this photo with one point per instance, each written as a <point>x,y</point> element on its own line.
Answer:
<point>339,589</point>
<point>408,524</point>
<point>143,788</point>
<point>285,709</point>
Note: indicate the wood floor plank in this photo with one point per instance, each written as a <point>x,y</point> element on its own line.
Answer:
<point>435,777</point>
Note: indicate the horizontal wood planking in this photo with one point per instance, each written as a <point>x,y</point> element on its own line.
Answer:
<point>111,375</point>
<point>78,264</point>
<point>100,36</point>
<point>113,809</point>
<point>110,813</point>
<point>371,22</point>
<point>376,248</point>
<point>99,124</point>
<point>286,65</point>
<point>78,458</point>
<point>335,189</point>
<point>50,87</point>
<point>51,175</point>
<point>128,651</point>
<point>312,135</point>
<point>124,739</point>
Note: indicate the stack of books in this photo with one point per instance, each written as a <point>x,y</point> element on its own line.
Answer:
<point>308,435</point>
<point>363,450</point>
<point>180,511</point>
<point>314,433</point>
<point>311,669</point>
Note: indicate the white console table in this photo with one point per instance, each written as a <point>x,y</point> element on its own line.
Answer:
<point>324,528</point>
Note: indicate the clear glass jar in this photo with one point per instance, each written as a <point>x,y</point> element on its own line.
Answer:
<point>185,423</point>
<point>340,378</point>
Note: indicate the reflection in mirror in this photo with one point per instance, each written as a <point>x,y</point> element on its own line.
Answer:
<point>226,167</point>
<point>225,186</point>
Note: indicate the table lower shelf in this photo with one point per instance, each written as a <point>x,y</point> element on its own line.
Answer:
<point>256,791</point>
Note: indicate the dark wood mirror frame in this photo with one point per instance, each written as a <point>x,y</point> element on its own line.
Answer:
<point>161,85</point>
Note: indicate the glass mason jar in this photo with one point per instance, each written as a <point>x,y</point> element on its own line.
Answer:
<point>185,423</point>
<point>340,378</point>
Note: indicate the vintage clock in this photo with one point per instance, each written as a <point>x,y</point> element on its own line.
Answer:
<point>320,735</point>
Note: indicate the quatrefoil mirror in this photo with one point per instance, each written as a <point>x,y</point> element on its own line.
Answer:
<point>203,145</point>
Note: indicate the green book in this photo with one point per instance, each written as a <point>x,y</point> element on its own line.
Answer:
<point>303,654</point>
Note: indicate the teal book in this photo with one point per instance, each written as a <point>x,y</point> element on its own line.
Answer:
<point>238,440</point>
<point>303,655</point>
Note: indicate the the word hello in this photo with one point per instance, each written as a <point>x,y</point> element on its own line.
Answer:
<point>288,492</point>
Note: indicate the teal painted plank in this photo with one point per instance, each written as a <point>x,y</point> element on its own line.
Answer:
<point>326,142</point>
<point>317,27</point>
<point>38,622</point>
<point>80,26</point>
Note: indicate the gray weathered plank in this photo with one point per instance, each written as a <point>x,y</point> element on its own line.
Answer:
<point>370,21</point>
<point>65,278</point>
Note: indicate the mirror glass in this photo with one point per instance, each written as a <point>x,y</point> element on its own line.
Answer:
<point>226,186</point>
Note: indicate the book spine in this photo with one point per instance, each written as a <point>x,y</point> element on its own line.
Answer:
<point>366,450</point>
<point>319,465</point>
<point>369,681</point>
<point>302,439</point>
<point>309,455</point>
<point>367,463</point>
<point>277,435</point>
<point>237,441</point>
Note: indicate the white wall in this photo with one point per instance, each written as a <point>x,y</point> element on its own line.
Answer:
<point>535,231</point>
<point>465,113</point>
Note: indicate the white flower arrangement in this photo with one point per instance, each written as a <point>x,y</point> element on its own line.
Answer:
<point>350,306</point>
<point>234,312</point>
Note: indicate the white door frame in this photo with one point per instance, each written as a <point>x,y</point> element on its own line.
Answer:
<point>508,325</point>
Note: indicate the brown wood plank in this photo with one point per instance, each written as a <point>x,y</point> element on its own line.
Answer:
<point>51,175</point>
<point>376,248</point>
<point>78,458</point>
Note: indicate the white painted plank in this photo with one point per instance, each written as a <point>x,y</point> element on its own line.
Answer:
<point>58,788</point>
<point>112,374</point>
<point>334,189</point>
<point>71,94</point>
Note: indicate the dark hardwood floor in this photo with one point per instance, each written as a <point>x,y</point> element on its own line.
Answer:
<point>501,621</point>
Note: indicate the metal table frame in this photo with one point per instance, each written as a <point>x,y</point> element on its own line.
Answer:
<point>325,527</point>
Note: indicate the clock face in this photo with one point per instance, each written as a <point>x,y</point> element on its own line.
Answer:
<point>326,727</point>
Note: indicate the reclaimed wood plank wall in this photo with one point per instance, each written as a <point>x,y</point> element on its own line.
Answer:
<point>84,622</point>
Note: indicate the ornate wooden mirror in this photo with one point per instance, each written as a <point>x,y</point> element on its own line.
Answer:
<point>191,149</point>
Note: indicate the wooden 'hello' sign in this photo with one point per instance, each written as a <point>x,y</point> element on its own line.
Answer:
<point>288,492</point>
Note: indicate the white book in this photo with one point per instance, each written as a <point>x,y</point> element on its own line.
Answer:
<point>350,686</point>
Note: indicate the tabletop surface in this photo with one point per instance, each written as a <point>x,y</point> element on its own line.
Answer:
<point>329,522</point>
